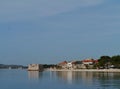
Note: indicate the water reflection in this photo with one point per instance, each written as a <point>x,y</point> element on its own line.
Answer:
<point>34,74</point>
<point>90,78</point>
<point>76,77</point>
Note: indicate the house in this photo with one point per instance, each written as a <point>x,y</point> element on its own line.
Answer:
<point>78,65</point>
<point>69,65</point>
<point>89,61</point>
<point>63,64</point>
<point>72,65</point>
<point>75,65</point>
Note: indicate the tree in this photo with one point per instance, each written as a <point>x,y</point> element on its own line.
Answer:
<point>115,60</point>
<point>104,61</point>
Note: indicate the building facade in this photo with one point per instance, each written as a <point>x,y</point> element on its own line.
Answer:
<point>35,67</point>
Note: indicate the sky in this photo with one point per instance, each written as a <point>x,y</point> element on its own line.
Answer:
<point>51,31</point>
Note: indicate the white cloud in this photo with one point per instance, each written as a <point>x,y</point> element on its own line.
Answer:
<point>11,10</point>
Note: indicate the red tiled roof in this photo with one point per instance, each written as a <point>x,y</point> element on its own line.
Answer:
<point>90,60</point>
<point>63,63</point>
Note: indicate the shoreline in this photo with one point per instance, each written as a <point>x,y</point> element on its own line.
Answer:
<point>87,70</point>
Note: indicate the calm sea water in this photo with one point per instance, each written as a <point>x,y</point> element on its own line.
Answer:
<point>22,79</point>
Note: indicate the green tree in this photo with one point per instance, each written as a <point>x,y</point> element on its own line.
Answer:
<point>104,61</point>
<point>115,60</point>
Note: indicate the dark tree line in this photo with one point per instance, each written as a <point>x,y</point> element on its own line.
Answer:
<point>49,65</point>
<point>107,61</point>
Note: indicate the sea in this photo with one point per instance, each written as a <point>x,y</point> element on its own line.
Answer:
<point>23,79</point>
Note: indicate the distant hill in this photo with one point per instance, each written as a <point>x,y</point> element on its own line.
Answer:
<point>3,66</point>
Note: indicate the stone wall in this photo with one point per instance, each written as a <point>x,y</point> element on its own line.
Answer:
<point>35,67</point>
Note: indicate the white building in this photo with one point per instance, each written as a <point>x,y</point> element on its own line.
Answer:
<point>69,65</point>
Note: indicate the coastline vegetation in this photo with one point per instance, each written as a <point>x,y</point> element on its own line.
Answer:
<point>107,62</point>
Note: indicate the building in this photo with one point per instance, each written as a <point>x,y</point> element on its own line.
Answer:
<point>72,65</point>
<point>78,65</point>
<point>69,65</point>
<point>89,61</point>
<point>63,64</point>
<point>75,65</point>
<point>35,67</point>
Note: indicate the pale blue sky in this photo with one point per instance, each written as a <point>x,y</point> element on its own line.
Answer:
<point>50,31</point>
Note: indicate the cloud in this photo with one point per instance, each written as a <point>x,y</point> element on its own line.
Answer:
<point>11,10</point>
